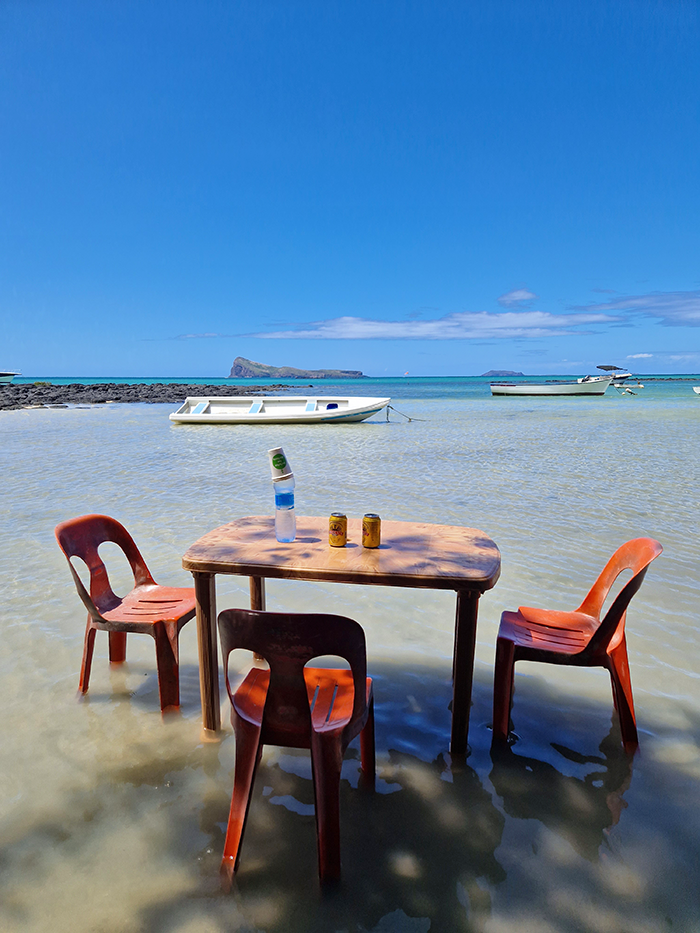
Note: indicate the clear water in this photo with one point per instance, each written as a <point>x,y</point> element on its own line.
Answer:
<point>113,821</point>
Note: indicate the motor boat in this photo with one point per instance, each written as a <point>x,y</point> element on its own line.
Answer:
<point>292,409</point>
<point>588,385</point>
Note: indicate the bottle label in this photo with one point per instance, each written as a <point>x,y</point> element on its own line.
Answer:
<point>284,499</point>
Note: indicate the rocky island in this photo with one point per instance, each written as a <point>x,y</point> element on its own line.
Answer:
<point>247,369</point>
<point>499,373</point>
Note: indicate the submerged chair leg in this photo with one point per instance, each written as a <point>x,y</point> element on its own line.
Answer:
<point>117,647</point>
<point>88,648</point>
<point>248,754</point>
<point>326,762</point>
<point>367,753</point>
<point>503,688</point>
<point>622,695</point>
<point>166,638</point>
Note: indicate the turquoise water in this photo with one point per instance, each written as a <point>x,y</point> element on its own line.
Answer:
<point>112,820</point>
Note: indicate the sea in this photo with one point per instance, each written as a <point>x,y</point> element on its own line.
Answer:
<point>113,820</point>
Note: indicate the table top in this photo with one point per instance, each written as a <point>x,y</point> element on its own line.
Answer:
<point>411,554</point>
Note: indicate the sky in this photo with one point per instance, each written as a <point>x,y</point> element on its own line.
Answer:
<point>434,188</point>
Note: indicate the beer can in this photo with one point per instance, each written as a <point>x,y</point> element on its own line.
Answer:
<point>371,530</point>
<point>338,529</point>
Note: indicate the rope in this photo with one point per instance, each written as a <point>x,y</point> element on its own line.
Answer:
<point>391,408</point>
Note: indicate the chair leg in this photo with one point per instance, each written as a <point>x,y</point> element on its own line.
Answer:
<point>248,754</point>
<point>117,647</point>
<point>326,763</point>
<point>503,677</point>
<point>88,648</point>
<point>166,637</point>
<point>622,695</point>
<point>367,752</point>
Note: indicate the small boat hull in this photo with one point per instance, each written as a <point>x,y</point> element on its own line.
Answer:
<point>594,385</point>
<point>7,377</point>
<point>696,389</point>
<point>286,410</point>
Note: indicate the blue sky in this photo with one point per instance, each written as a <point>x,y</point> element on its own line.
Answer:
<point>439,188</point>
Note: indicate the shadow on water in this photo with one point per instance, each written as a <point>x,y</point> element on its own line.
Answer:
<point>431,849</point>
<point>579,808</point>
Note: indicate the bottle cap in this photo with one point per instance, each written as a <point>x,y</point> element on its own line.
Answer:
<point>279,465</point>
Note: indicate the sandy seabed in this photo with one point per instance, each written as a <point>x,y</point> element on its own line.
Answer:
<point>113,820</point>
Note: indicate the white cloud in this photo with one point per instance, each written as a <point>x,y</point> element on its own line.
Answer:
<point>640,356</point>
<point>458,326</point>
<point>674,309</point>
<point>517,296</point>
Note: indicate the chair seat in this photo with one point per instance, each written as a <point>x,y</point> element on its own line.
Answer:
<point>152,603</point>
<point>290,705</point>
<point>330,694</point>
<point>578,639</point>
<point>149,609</point>
<point>548,630</point>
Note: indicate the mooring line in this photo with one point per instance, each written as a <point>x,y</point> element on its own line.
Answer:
<point>391,408</point>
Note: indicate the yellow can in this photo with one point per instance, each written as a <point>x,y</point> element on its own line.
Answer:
<point>371,530</point>
<point>338,529</point>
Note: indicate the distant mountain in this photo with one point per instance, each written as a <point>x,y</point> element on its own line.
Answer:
<point>247,369</point>
<point>499,372</point>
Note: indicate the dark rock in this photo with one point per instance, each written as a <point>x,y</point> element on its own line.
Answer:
<point>15,396</point>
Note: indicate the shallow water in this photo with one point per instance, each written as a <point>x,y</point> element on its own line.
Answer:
<point>113,820</point>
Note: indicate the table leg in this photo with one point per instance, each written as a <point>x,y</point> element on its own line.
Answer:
<point>463,669</point>
<point>257,593</point>
<point>205,596</point>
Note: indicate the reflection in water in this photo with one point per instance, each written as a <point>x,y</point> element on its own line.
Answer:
<point>580,809</point>
<point>425,840</point>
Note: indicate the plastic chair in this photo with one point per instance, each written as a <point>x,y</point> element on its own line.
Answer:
<point>578,638</point>
<point>297,707</point>
<point>159,611</point>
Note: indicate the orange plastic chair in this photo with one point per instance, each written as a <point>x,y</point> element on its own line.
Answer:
<point>578,638</point>
<point>159,611</point>
<point>297,707</point>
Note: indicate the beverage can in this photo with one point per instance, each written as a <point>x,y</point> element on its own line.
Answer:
<point>371,530</point>
<point>338,529</point>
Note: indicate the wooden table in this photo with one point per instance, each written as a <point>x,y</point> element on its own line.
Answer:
<point>436,557</point>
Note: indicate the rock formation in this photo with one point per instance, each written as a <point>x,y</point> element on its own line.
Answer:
<point>247,369</point>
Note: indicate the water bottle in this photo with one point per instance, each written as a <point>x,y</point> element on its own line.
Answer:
<point>285,519</point>
<point>283,485</point>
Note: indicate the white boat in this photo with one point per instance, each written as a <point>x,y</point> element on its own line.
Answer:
<point>588,385</point>
<point>620,377</point>
<point>292,409</point>
<point>696,389</point>
<point>6,376</point>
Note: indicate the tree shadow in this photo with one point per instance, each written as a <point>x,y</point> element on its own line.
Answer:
<point>430,848</point>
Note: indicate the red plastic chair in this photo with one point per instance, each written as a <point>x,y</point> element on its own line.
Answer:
<point>159,611</point>
<point>578,638</point>
<point>297,707</point>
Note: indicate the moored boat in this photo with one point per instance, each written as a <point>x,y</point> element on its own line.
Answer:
<point>696,389</point>
<point>588,385</point>
<point>6,376</point>
<point>293,409</point>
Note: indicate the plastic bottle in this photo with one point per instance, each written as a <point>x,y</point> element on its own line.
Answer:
<point>283,485</point>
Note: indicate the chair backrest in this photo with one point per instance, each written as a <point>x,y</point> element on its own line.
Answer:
<point>287,641</point>
<point>81,537</point>
<point>634,555</point>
